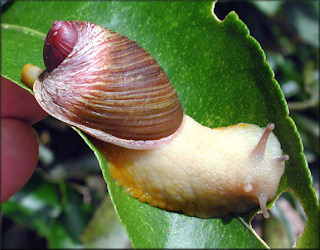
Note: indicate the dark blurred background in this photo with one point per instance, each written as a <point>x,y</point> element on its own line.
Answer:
<point>63,203</point>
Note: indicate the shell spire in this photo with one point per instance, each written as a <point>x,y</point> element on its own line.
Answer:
<point>58,44</point>
<point>107,86</point>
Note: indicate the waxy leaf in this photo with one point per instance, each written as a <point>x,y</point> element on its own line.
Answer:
<point>222,78</point>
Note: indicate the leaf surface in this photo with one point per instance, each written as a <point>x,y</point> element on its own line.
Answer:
<point>222,78</point>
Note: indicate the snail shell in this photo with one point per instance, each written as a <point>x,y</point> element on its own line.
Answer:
<point>107,85</point>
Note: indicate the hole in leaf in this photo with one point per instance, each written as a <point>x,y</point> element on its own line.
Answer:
<point>286,223</point>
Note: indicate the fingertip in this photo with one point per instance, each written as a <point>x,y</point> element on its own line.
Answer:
<point>18,103</point>
<point>20,149</point>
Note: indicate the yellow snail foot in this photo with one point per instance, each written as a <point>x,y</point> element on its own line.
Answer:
<point>224,170</point>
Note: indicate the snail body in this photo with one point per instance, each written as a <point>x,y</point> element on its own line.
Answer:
<point>110,88</point>
<point>202,172</point>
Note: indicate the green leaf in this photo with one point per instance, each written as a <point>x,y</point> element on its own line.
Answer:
<point>105,230</point>
<point>59,237</point>
<point>305,14</point>
<point>66,230</point>
<point>55,211</point>
<point>222,78</point>
<point>35,205</point>
<point>19,46</point>
<point>267,7</point>
<point>278,239</point>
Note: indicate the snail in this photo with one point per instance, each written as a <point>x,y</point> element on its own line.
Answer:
<point>113,90</point>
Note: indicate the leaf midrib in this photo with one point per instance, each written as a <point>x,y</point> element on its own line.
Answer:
<point>23,29</point>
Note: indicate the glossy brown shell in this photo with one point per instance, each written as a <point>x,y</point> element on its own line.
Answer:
<point>112,89</point>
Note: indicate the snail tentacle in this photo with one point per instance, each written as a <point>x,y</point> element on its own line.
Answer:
<point>259,150</point>
<point>263,205</point>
